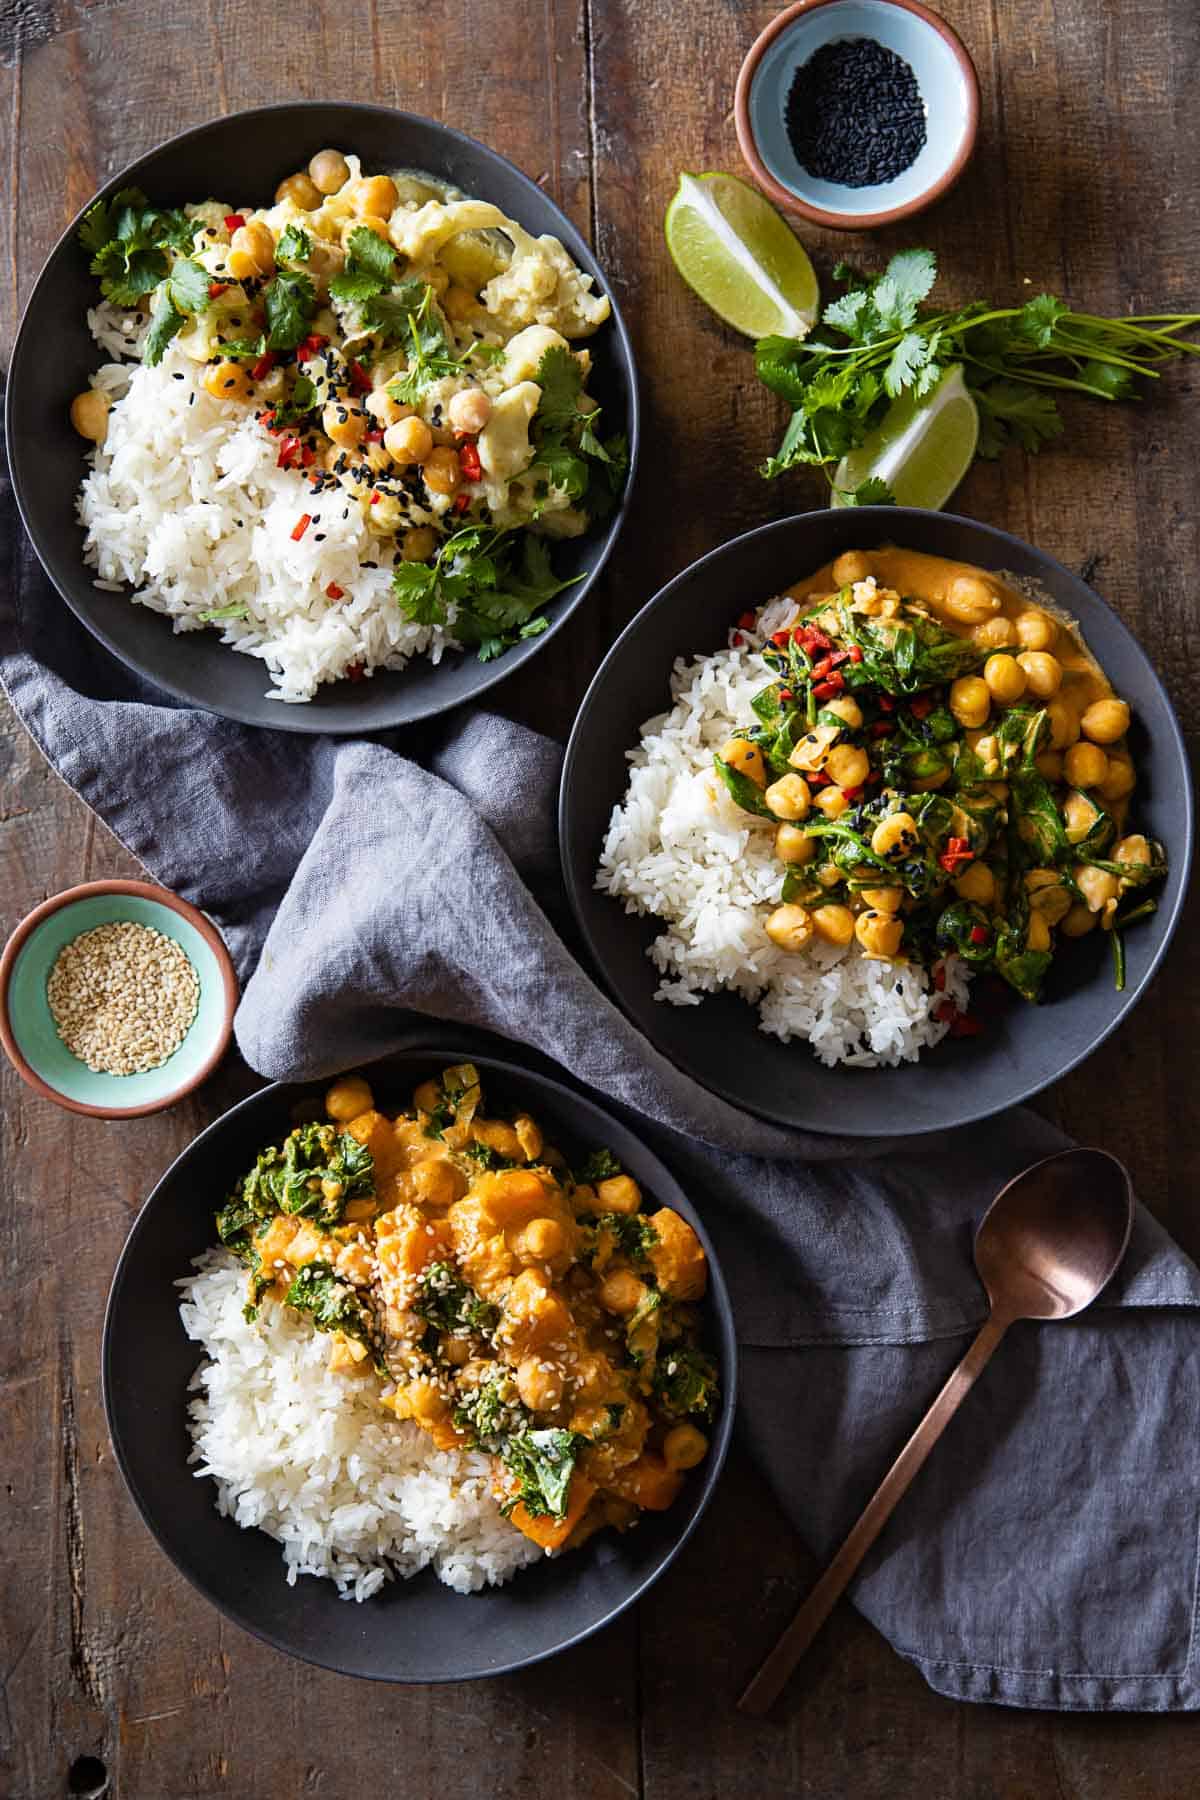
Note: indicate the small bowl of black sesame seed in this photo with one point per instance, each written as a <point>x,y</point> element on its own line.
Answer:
<point>857,113</point>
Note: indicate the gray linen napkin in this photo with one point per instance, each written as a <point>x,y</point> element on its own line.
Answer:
<point>1047,1556</point>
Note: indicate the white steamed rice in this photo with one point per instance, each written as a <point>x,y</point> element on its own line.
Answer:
<point>679,849</point>
<point>185,502</point>
<point>306,1454</point>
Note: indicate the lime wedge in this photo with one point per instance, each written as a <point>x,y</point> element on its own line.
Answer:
<point>921,448</point>
<point>739,255</point>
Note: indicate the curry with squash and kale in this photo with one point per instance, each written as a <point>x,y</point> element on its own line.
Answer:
<point>501,1299</point>
<point>948,768</point>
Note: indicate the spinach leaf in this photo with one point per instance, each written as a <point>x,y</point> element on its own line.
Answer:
<point>954,930</point>
<point>747,793</point>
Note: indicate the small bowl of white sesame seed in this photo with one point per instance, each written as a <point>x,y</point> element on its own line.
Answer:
<point>116,998</point>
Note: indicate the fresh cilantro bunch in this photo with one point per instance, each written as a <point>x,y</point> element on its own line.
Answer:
<point>878,340</point>
<point>483,587</point>
<point>568,452</point>
<point>128,240</point>
<point>184,292</point>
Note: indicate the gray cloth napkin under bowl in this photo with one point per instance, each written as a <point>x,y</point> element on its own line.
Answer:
<point>1047,1556</point>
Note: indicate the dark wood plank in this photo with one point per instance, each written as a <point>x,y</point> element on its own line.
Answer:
<point>1082,184</point>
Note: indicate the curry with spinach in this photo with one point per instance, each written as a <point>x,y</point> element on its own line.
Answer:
<point>500,1298</point>
<point>947,770</point>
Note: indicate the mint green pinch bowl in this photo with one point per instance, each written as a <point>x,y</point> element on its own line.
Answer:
<point>27,1030</point>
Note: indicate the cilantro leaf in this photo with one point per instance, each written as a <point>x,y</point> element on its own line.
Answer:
<point>290,302</point>
<point>601,1165</point>
<point>188,283</point>
<point>561,380</point>
<point>165,321</point>
<point>493,595</point>
<point>128,240</point>
<point>370,267</point>
<point>1013,409</point>
<point>299,403</point>
<point>1109,381</point>
<point>294,245</point>
<point>849,313</point>
<point>874,491</point>
<point>908,359</point>
<point>1038,318</point>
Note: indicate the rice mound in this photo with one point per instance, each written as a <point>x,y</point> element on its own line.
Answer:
<point>186,503</point>
<point>306,1454</point>
<point>679,849</point>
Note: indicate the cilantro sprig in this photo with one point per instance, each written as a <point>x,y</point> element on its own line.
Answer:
<point>485,589</point>
<point>879,340</point>
<point>568,452</point>
<point>128,240</point>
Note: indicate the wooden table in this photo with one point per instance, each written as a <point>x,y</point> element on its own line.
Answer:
<point>1084,183</point>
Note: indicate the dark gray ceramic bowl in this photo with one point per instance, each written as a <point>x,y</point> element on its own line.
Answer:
<point>1025,1047</point>
<point>243,157</point>
<point>414,1630</point>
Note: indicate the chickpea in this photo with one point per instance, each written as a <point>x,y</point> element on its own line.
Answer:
<point>970,599</point>
<point>1106,720</point>
<point>1079,815</point>
<point>1005,679</point>
<point>925,784</point>
<point>970,700</point>
<point>789,798</point>
<point>529,1136</point>
<point>89,414</point>
<point>349,1097</point>
<point>251,251</point>
<point>684,1447</point>
<point>1043,673</point>
<point>746,758</point>
<point>793,845</point>
<point>301,190</point>
<point>329,171</point>
<point>895,837</point>
<point>409,440</point>
<point>227,381</point>
<point>427,1097</point>
<point>377,197</point>
<point>832,802</point>
<point>847,766</point>
<point>996,633</point>
<point>454,1350</point>
<point>621,1292</point>
<point>418,544</point>
<point>542,1240</point>
<point>344,423</point>
<point>539,1384</point>
<point>458,304</point>
<point>1037,933</point>
<point>1049,765</point>
<point>1064,725</point>
<point>790,927</point>
<point>470,410</point>
<point>886,899</point>
<point>1133,849</point>
<point>1078,921</point>
<point>1097,886</point>
<point>1047,894</point>
<point>976,884</point>
<point>619,1193</point>
<point>845,708</point>
<point>834,923</point>
<point>441,471</point>
<point>436,1182</point>
<point>851,566</point>
<point>1120,781</point>
<point>384,410</point>
<point>376,457</point>
<point>879,933</point>
<point>1085,765</point>
<point>1034,630</point>
<point>829,876</point>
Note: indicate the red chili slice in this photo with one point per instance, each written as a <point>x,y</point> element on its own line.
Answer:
<point>469,463</point>
<point>334,592</point>
<point>779,638</point>
<point>786,694</point>
<point>921,707</point>
<point>301,526</point>
<point>217,288</point>
<point>311,345</point>
<point>373,437</point>
<point>855,653</point>
<point>882,728</point>
<point>825,690</point>
<point>234,221</point>
<point>354,671</point>
<point>886,703</point>
<point>747,623</point>
<point>308,457</point>
<point>360,381</point>
<point>853,794</point>
<point>980,934</point>
<point>263,366</point>
<point>461,502</point>
<point>288,450</point>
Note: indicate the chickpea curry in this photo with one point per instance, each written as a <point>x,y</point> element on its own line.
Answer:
<point>410,351</point>
<point>501,1300</point>
<point>947,770</point>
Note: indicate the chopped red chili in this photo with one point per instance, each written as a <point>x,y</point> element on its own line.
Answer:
<point>786,694</point>
<point>837,657</point>
<point>311,345</point>
<point>461,502</point>
<point>825,690</point>
<point>855,653</point>
<point>853,794</point>
<point>980,934</point>
<point>921,707</point>
<point>886,703</point>
<point>882,728</point>
<point>354,671</point>
<point>812,638</point>
<point>747,623</point>
<point>374,436</point>
<point>469,463</point>
<point>957,851</point>
<point>818,779</point>
<point>334,592</point>
<point>374,499</point>
<point>288,451</point>
<point>234,221</point>
<point>965,1025</point>
<point>308,457</point>
<point>263,366</point>
<point>217,288</point>
<point>360,381</point>
<point>301,526</point>
<point>779,638</point>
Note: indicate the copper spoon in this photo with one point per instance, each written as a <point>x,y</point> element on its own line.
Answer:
<point>1048,1244</point>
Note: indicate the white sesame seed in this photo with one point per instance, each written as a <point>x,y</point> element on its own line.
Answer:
<point>123,997</point>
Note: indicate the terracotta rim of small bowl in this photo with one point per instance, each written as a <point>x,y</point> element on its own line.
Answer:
<point>138,890</point>
<point>817,215</point>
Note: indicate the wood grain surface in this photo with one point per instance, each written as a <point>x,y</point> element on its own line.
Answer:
<point>117,1678</point>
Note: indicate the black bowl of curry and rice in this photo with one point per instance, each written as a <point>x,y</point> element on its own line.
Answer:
<point>446,1340</point>
<point>342,418</point>
<point>877,820</point>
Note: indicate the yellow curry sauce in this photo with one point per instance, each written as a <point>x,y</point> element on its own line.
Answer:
<point>501,1300</point>
<point>946,769</point>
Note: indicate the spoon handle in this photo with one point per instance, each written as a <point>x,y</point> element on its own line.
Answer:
<point>766,1686</point>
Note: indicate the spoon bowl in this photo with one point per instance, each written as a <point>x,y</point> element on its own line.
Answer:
<point>1052,1238</point>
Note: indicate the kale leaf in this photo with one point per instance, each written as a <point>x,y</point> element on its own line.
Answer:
<point>330,1302</point>
<point>600,1165</point>
<point>543,1463</point>
<point>446,1302</point>
<point>685,1382</point>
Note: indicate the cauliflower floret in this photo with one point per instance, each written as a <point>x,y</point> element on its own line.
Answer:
<point>526,350</point>
<point>504,447</point>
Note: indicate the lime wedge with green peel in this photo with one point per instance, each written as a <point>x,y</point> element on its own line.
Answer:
<point>738,254</point>
<point>920,448</point>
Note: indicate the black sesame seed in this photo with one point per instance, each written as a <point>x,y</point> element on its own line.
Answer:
<point>855,114</point>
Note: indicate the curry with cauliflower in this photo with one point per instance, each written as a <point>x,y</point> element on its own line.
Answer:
<point>409,349</point>
<point>499,1297</point>
<point>947,771</point>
